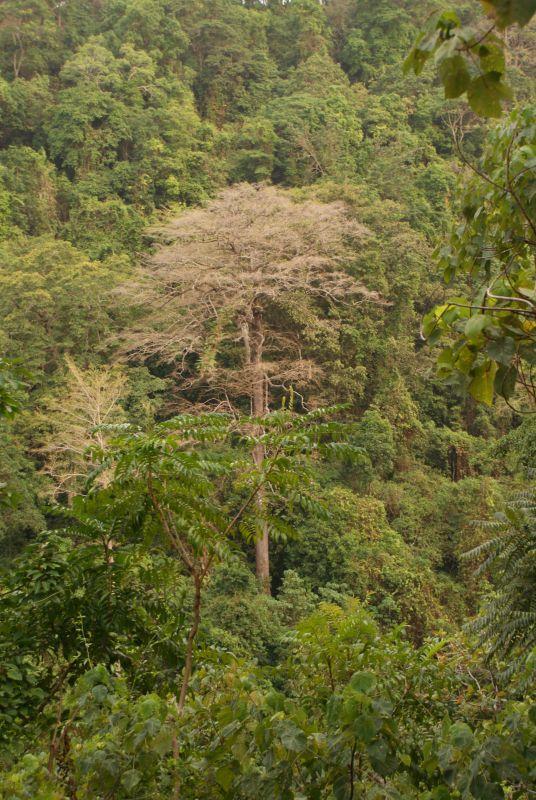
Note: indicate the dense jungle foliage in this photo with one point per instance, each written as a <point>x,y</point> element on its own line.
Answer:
<point>267,410</point>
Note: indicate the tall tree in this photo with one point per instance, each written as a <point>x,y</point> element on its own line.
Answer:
<point>233,293</point>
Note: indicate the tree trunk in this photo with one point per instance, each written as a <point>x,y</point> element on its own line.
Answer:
<point>187,673</point>
<point>262,545</point>
<point>254,349</point>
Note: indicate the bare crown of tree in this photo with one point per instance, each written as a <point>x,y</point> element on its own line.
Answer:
<point>217,268</point>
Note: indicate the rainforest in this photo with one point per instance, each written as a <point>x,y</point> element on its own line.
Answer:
<point>267,399</point>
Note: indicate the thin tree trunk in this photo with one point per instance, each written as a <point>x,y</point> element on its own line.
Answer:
<point>262,545</point>
<point>187,673</point>
<point>254,348</point>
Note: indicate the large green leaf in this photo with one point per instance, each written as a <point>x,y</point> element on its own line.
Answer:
<point>225,777</point>
<point>507,12</point>
<point>365,727</point>
<point>362,681</point>
<point>491,56</point>
<point>486,94</point>
<point>454,76</point>
<point>505,381</point>
<point>130,779</point>
<point>475,325</point>
<point>502,350</point>
<point>292,738</point>
<point>482,385</point>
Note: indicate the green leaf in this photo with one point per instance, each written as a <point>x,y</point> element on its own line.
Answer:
<point>224,778</point>
<point>162,742</point>
<point>433,324</point>
<point>275,700</point>
<point>454,76</point>
<point>505,381</point>
<point>419,54</point>
<point>465,359</point>
<point>481,387</point>
<point>352,707</point>
<point>14,673</point>
<point>461,735</point>
<point>486,93</point>
<point>449,19</point>
<point>441,793</point>
<point>506,12</point>
<point>130,779</point>
<point>528,353</point>
<point>415,60</point>
<point>292,738</point>
<point>100,692</point>
<point>502,350</point>
<point>365,727</point>
<point>445,360</point>
<point>362,681</point>
<point>475,325</point>
<point>491,57</point>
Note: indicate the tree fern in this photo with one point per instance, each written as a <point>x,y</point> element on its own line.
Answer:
<point>507,624</point>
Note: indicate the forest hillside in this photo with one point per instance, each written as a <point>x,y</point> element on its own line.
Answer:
<point>267,432</point>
